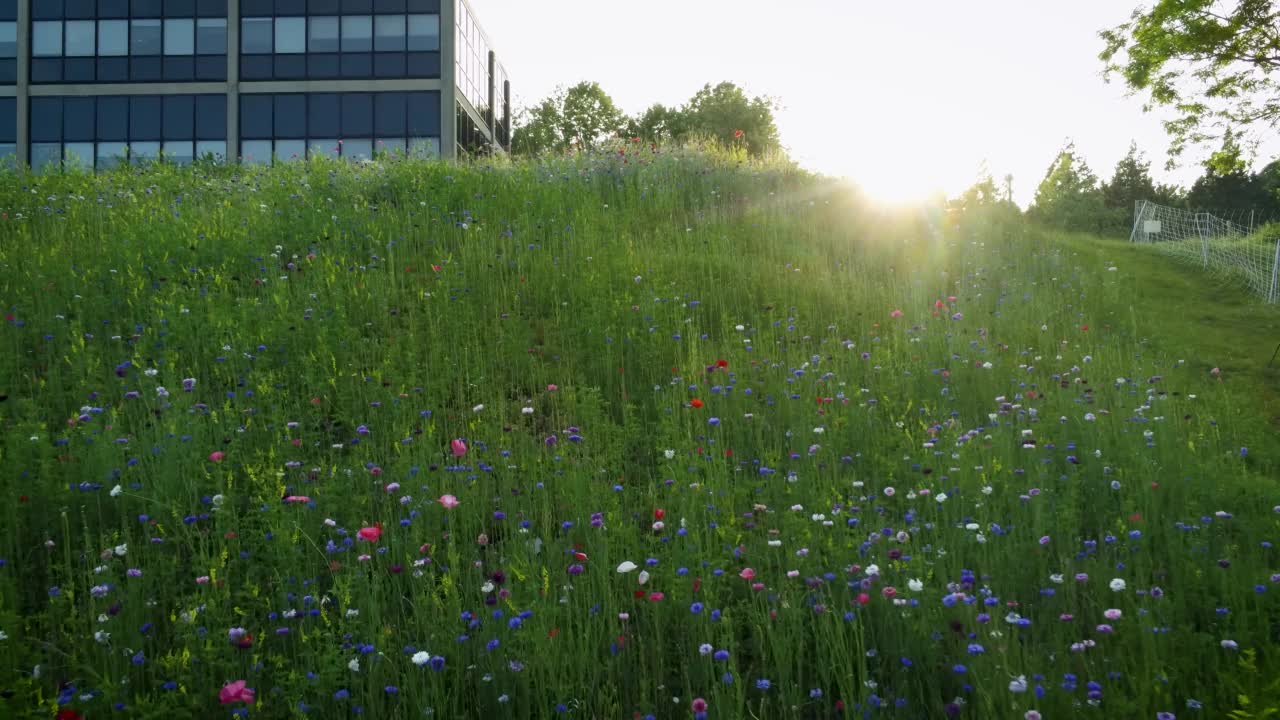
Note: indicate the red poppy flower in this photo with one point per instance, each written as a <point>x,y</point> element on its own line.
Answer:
<point>659,513</point>
<point>737,133</point>
<point>69,714</point>
<point>722,363</point>
<point>696,403</point>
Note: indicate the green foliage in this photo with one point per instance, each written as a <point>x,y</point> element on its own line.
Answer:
<point>1212,63</point>
<point>724,112</point>
<point>581,117</point>
<point>1069,197</point>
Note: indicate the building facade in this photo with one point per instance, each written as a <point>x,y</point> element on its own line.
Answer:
<point>99,82</point>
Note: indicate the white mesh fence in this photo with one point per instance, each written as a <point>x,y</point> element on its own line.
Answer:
<point>1222,248</point>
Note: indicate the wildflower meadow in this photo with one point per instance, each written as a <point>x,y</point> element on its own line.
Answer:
<point>628,434</point>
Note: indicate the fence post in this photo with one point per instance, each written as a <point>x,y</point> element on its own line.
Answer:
<point>1274,295</point>
<point>1138,207</point>
<point>1204,239</point>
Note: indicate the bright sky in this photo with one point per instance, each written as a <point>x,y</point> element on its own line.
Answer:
<point>904,98</point>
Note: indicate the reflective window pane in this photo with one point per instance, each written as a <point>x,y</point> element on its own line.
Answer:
<point>179,37</point>
<point>291,35</point>
<point>390,146</point>
<point>324,147</point>
<point>424,32</point>
<point>8,40</point>
<point>144,37</point>
<point>78,155</point>
<point>322,34</point>
<point>145,113</point>
<point>113,37</point>
<point>216,149</point>
<point>255,35</point>
<point>287,150</point>
<point>211,36</point>
<point>181,152</point>
<point>357,33</point>
<point>145,151</point>
<point>424,147</point>
<point>46,156</point>
<point>46,119</point>
<point>255,152</point>
<point>111,154</point>
<point>388,33</point>
<point>81,37</point>
<point>357,149</point>
<point>46,40</point>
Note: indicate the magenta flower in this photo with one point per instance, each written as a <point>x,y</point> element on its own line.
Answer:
<point>235,692</point>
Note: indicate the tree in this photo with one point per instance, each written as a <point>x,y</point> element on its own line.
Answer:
<point>659,123</point>
<point>1226,184</point>
<point>582,116</point>
<point>725,113</point>
<point>1069,198</point>
<point>1212,63</point>
<point>1130,182</point>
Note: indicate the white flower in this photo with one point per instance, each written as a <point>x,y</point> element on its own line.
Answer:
<point>477,408</point>
<point>526,410</point>
<point>873,569</point>
<point>352,612</point>
<point>705,649</point>
<point>739,328</point>
<point>4,635</point>
<point>354,665</point>
<point>115,491</point>
<point>819,430</point>
<point>987,489</point>
<point>1118,585</point>
<point>1056,578</point>
<point>422,657</point>
<point>668,454</point>
<point>941,497</point>
<point>161,392</point>
<point>151,372</point>
<point>102,636</point>
<point>972,526</point>
<point>626,566</point>
<point>643,577</point>
<point>915,585</point>
<point>330,523</point>
<point>1018,684</point>
<point>121,550</point>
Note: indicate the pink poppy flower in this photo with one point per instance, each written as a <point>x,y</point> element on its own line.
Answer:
<point>235,692</point>
<point>458,447</point>
<point>297,499</point>
<point>216,456</point>
<point>449,502</point>
<point>895,314</point>
<point>747,574</point>
<point>370,533</point>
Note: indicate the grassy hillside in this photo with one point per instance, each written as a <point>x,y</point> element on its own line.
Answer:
<point>623,435</point>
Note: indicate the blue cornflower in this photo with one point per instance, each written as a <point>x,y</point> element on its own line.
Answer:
<point>763,684</point>
<point>696,608</point>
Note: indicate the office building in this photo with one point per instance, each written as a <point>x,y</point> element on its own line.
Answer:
<point>99,82</point>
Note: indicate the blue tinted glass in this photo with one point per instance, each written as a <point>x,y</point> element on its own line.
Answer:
<point>212,8</point>
<point>424,113</point>
<point>77,70</point>
<point>255,116</point>
<point>46,119</point>
<point>211,117</point>
<point>113,8</point>
<point>77,116</point>
<point>144,117</point>
<point>291,116</point>
<point>46,70</point>
<point>179,8</point>
<point>324,116</point>
<point>389,114</point>
<point>179,117</point>
<point>8,120</point>
<point>146,8</point>
<point>113,118</point>
<point>357,115</point>
<point>81,8</point>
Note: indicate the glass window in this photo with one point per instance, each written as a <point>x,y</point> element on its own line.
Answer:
<point>357,149</point>
<point>255,7</point>
<point>113,118</point>
<point>323,148</point>
<point>323,115</point>
<point>424,147</point>
<point>113,8</point>
<point>181,152</point>
<point>8,153</point>
<point>179,8</point>
<point>255,35</point>
<point>424,32</point>
<point>388,6</point>
<point>80,38</point>
<point>144,117</point>
<point>390,146</point>
<point>80,9</point>
<point>322,34</point>
<point>46,156</point>
<point>46,119</point>
<point>255,116</point>
<point>111,154</point>
<point>179,37</point>
<point>291,149</point>
<point>357,6</point>
<point>215,148</point>
<point>146,8</point>
<point>212,8</point>
<point>255,152</point>
<point>389,114</point>
<point>357,33</point>
<point>324,7</point>
<point>8,120</point>
<point>146,151</point>
<point>46,39</point>
<point>211,36</point>
<point>8,40</point>
<point>144,37</point>
<point>291,34</point>
<point>77,119</point>
<point>78,155</point>
<point>424,113</point>
<point>179,117</point>
<point>290,116</point>
<point>357,115</point>
<point>113,37</point>
<point>388,33</point>
<point>211,117</point>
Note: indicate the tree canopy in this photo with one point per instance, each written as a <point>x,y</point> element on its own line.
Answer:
<point>1212,62</point>
<point>582,116</point>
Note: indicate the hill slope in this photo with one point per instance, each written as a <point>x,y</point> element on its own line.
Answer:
<point>606,435</point>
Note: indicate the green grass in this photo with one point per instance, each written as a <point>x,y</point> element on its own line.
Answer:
<point>1028,415</point>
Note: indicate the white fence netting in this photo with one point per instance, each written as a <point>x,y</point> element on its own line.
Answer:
<point>1226,250</point>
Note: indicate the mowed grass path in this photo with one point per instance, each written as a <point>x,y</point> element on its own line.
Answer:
<point>634,434</point>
